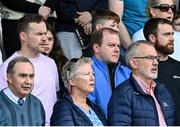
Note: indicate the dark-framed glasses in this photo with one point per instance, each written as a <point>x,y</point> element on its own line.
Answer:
<point>148,57</point>
<point>166,7</point>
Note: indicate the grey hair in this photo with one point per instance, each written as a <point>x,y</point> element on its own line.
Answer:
<point>71,69</point>
<point>133,50</point>
<point>18,59</point>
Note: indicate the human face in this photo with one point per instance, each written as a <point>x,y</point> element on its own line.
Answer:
<point>147,69</point>
<point>21,81</point>
<point>111,24</point>
<point>84,79</point>
<point>50,41</point>
<point>36,37</point>
<point>110,48</point>
<point>176,24</point>
<point>164,39</point>
<point>156,13</point>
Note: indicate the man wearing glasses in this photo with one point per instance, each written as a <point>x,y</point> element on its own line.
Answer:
<point>161,35</point>
<point>161,9</point>
<point>140,100</point>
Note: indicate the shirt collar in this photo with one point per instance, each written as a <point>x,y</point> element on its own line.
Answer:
<point>11,95</point>
<point>146,88</point>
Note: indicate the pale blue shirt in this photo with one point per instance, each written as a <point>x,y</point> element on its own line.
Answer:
<point>11,96</point>
<point>92,116</point>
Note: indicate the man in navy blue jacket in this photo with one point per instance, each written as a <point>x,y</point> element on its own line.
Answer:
<point>141,101</point>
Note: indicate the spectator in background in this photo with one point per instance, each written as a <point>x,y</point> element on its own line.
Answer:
<point>32,33</point>
<point>160,33</point>
<point>162,9</point>
<point>74,109</point>
<point>72,16</point>
<point>176,22</point>
<point>53,50</point>
<point>132,13</point>
<point>108,74</point>
<point>106,18</point>
<point>13,11</point>
<point>140,100</point>
<point>18,106</point>
<point>117,7</point>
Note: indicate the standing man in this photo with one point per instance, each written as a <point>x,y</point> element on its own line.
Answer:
<point>32,34</point>
<point>160,33</point>
<point>141,101</point>
<point>108,74</point>
<point>162,9</point>
<point>18,106</point>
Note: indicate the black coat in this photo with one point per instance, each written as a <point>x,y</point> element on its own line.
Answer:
<point>66,113</point>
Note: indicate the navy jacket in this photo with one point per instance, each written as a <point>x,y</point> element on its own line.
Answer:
<point>66,113</point>
<point>129,105</point>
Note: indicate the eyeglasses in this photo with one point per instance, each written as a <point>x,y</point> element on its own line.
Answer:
<point>165,7</point>
<point>148,58</point>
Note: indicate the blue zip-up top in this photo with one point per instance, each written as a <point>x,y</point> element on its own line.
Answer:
<point>102,87</point>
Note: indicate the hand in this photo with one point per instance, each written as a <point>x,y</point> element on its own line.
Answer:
<point>84,18</point>
<point>88,28</point>
<point>44,11</point>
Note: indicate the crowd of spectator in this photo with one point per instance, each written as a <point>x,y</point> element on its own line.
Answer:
<point>89,63</point>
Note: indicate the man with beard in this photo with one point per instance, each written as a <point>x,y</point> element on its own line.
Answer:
<point>162,9</point>
<point>141,101</point>
<point>160,32</point>
<point>18,106</point>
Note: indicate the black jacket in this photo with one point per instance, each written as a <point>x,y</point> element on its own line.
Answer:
<point>66,113</point>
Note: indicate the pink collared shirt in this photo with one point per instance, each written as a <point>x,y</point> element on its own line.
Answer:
<point>150,90</point>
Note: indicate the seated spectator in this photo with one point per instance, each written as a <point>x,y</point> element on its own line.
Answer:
<point>18,106</point>
<point>108,72</point>
<point>161,35</point>
<point>140,100</point>
<point>74,109</point>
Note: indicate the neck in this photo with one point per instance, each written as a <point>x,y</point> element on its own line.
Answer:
<point>28,53</point>
<point>162,56</point>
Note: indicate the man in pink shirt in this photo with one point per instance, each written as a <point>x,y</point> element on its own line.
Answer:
<point>140,100</point>
<point>32,34</point>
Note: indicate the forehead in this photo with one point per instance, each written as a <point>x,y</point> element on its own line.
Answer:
<point>49,34</point>
<point>23,67</point>
<point>165,28</point>
<point>37,27</point>
<point>110,37</point>
<point>170,2</point>
<point>147,50</point>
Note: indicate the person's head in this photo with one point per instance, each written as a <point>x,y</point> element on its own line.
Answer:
<point>160,32</point>
<point>78,75</point>
<point>176,22</point>
<point>161,9</point>
<point>50,40</point>
<point>20,76</point>
<point>32,33</point>
<point>142,58</point>
<point>105,18</point>
<point>106,44</point>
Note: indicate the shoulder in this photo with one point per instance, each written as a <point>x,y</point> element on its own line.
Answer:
<point>138,36</point>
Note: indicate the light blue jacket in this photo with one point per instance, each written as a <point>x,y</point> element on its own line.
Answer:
<point>102,87</point>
